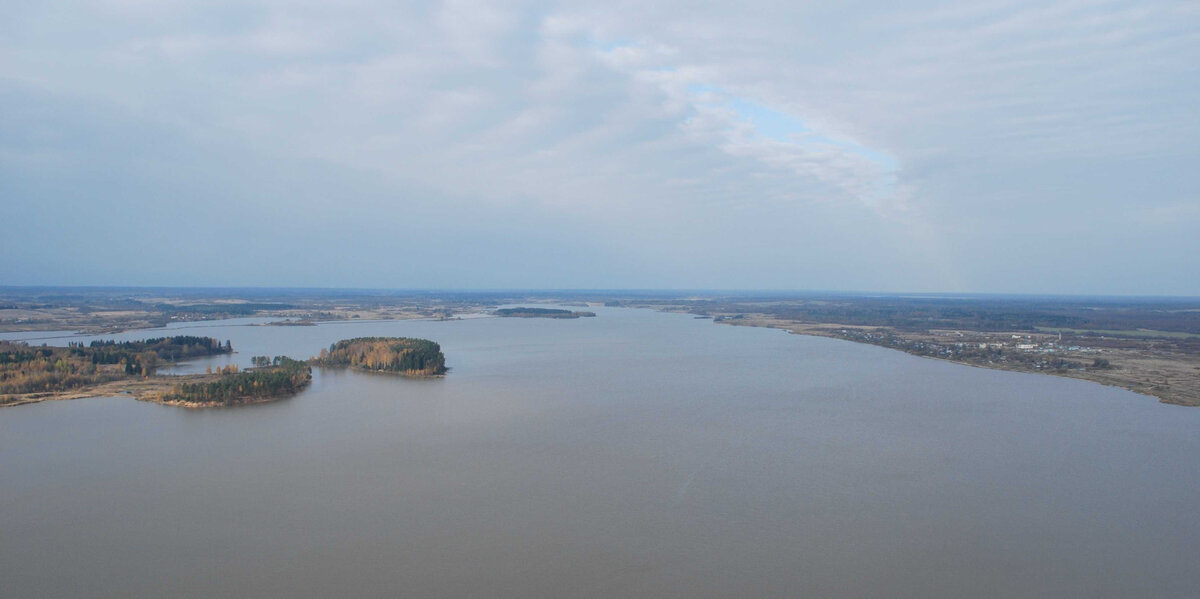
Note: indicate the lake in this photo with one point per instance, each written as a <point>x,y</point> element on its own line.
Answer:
<point>635,454</point>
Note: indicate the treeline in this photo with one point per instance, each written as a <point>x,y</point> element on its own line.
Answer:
<point>267,361</point>
<point>404,355</point>
<point>284,377</point>
<point>178,347</point>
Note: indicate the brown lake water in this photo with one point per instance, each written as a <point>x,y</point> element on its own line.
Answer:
<point>635,454</point>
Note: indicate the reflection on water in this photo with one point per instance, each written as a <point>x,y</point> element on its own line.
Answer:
<point>635,454</point>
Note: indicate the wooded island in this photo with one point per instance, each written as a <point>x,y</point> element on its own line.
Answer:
<point>523,312</point>
<point>401,355</point>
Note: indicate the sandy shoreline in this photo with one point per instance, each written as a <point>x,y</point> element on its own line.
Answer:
<point>149,390</point>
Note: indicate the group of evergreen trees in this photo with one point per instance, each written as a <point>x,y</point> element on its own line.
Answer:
<point>267,361</point>
<point>404,355</point>
<point>168,348</point>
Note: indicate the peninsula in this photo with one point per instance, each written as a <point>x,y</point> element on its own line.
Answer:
<point>29,374</point>
<point>33,374</point>
<point>1147,345</point>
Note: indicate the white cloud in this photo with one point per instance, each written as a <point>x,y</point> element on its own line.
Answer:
<point>903,124</point>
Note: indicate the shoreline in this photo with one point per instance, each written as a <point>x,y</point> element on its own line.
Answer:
<point>1172,379</point>
<point>440,375</point>
<point>1122,378</point>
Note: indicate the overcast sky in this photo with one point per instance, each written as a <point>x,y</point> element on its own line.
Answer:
<point>985,146</point>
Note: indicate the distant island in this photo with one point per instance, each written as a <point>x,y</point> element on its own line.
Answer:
<point>292,323</point>
<point>401,355</point>
<point>541,313</point>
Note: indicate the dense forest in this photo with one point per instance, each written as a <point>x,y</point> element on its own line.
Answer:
<point>179,347</point>
<point>26,369</point>
<point>541,313</point>
<point>404,355</point>
<point>274,377</point>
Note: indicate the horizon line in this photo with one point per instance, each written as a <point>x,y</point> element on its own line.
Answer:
<point>642,290</point>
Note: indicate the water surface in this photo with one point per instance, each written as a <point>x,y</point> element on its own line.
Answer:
<point>635,454</point>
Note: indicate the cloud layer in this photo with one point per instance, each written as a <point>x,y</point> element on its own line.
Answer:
<point>995,146</point>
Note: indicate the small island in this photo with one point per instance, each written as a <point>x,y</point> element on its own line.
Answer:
<point>304,322</point>
<point>400,355</point>
<point>270,379</point>
<point>524,312</point>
